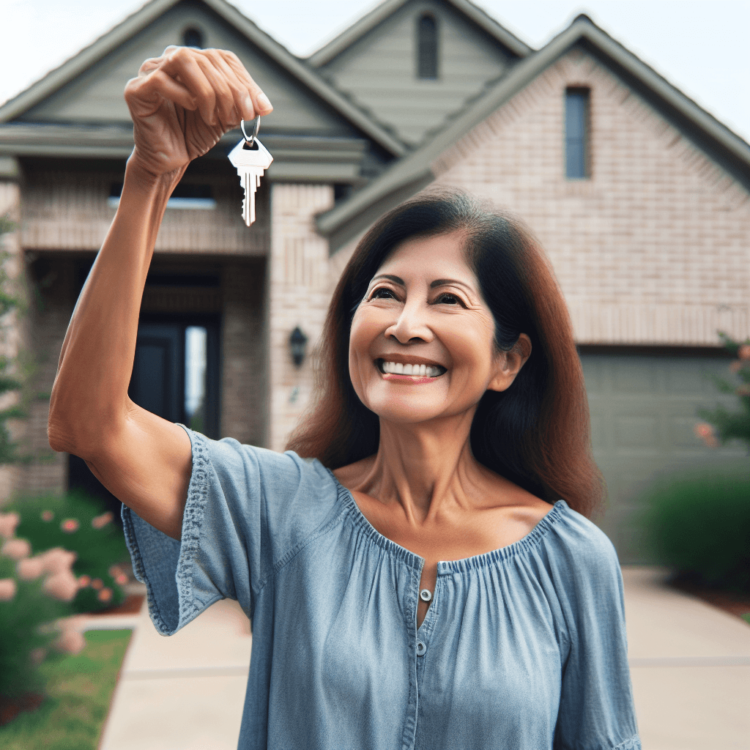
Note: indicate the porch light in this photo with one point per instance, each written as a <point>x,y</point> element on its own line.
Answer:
<point>297,346</point>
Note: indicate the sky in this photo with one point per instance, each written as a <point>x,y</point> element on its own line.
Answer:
<point>700,46</point>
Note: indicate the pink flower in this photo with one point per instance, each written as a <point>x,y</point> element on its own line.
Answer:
<point>115,571</point>
<point>62,586</point>
<point>8,523</point>
<point>37,656</point>
<point>31,568</point>
<point>101,521</point>
<point>69,525</point>
<point>70,642</point>
<point>47,515</point>
<point>744,351</point>
<point>104,595</point>
<point>121,579</point>
<point>84,581</point>
<point>97,584</point>
<point>58,560</point>
<point>707,434</point>
<point>7,589</point>
<point>16,549</point>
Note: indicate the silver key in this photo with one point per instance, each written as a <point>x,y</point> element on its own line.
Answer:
<point>251,161</point>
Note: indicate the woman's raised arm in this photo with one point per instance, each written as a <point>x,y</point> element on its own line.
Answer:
<point>181,104</point>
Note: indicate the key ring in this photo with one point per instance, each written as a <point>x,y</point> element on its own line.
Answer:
<point>249,141</point>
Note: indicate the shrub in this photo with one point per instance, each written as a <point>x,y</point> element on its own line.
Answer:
<point>34,593</point>
<point>79,523</point>
<point>699,524</point>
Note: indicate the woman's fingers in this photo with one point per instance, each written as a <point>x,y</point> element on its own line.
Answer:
<point>260,103</point>
<point>182,65</point>
<point>152,89</point>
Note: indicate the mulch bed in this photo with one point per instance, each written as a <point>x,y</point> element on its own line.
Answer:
<point>131,606</point>
<point>735,604</point>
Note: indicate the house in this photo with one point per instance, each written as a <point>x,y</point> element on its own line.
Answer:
<point>640,198</point>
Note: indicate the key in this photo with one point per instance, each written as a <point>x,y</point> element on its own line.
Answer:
<point>250,161</point>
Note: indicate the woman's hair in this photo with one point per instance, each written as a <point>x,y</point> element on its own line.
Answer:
<point>537,432</point>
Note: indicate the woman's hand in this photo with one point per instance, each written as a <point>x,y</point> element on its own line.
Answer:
<point>183,102</point>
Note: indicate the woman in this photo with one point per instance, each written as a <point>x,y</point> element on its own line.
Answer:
<point>417,581</point>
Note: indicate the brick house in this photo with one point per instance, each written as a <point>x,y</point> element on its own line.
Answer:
<point>641,199</point>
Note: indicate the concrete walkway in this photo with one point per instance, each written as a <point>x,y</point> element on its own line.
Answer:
<point>690,665</point>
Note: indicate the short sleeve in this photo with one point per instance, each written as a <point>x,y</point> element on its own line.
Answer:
<point>247,509</point>
<point>596,701</point>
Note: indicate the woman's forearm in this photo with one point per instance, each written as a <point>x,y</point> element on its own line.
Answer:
<point>90,393</point>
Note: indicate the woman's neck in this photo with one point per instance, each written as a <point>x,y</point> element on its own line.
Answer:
<point>421,467</point>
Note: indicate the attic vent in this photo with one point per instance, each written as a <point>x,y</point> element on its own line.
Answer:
<point>193,37</point>
<point>427,48</point>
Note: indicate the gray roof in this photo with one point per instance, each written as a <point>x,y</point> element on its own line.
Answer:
<point>386,9</point>
<point>412,172</point>
<point>136,22</point>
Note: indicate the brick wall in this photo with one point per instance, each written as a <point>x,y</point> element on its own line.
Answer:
<point>299,289</point>
<point>654,248</point>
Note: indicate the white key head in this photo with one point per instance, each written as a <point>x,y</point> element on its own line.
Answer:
<point>243,156</point>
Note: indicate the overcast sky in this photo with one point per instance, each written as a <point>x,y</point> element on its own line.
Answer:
<point>701,46</point>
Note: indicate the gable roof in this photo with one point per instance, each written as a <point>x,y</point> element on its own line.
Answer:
<point>413,172</point>
<point>146,15</point>
<point>369,21</point>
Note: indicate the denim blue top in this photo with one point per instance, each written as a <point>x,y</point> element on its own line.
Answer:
<point>522,648</point>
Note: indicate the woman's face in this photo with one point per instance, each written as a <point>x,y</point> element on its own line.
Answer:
<point>422,339</point>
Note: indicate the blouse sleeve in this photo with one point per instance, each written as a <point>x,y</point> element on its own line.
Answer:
<point>596,702</point>
<point>246,509</point>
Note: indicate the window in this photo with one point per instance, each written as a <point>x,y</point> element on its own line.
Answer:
<point>193,37</point>
<point>185,196</point>
<point>427,48</point>
<point>577,161</point>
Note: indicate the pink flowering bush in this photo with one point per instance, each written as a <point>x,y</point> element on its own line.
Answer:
<point>81,525</point>
<point>35,592</point>
<point>720,424</point>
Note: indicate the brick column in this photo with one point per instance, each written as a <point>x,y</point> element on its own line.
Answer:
<point>299,290</point>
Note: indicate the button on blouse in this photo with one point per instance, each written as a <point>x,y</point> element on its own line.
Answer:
<point>522,648</point>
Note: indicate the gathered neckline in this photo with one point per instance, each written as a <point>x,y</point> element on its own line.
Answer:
<point>464,565</point>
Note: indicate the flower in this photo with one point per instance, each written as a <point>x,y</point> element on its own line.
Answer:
<point>101,521</point>
<point>707,434</point>
<point>115,571</point>
<point>97,584</point>
<point>121,579</point>
<point>104,595</point>
<point>69,525</point>
<point>8,523</point>
<point>70,642</point>
<point>47,515</point>
<point>30,568</point>
<point>16,549</point>
<point>62,586</point>
<point>7,589</point>
<point>84,581</point>
<point>58,560</point>
<point>744,351</point>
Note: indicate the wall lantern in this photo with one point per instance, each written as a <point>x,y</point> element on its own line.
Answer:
<point>297,346</point>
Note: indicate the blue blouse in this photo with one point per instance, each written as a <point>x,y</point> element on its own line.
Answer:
<point>522,648</point>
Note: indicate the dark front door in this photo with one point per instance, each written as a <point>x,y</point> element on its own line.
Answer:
<point>175,376</point>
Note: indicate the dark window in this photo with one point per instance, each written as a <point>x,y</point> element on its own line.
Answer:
<point>193,38</point>
<point>577,134</point>
<point>427,48</point>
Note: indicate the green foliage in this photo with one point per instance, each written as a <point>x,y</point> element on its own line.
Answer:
<point>22,632</point>
<point>699,524</point>
<point>97,550</point>
<point>729,425</point>
<point>79,691</point>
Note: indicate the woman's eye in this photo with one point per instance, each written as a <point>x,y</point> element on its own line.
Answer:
<point>448,299</point>
<point>382,293</point>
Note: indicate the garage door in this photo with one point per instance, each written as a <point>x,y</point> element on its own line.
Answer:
<point>643,411</point>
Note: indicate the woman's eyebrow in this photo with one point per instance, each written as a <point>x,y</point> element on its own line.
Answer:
<point>394,279</point>
<point>444,282</point>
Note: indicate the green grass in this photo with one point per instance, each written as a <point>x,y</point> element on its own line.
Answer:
<point>79,691</point>
<point>746,617</point>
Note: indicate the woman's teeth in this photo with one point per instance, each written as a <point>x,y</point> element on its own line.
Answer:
<point>420,371</point>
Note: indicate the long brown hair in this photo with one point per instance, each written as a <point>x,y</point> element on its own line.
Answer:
<point>537,432</point>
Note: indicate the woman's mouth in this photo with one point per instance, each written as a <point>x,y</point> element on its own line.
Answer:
<point>414,370</point>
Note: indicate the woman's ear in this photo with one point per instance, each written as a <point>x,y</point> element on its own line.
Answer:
<point>509,364</point>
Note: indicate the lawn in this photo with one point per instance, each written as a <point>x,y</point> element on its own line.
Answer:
<point>79,691</point>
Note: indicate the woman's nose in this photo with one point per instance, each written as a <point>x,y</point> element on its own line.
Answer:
<point>411,324</point>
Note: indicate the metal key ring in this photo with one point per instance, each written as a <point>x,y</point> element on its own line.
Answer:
<point>249,141</point>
